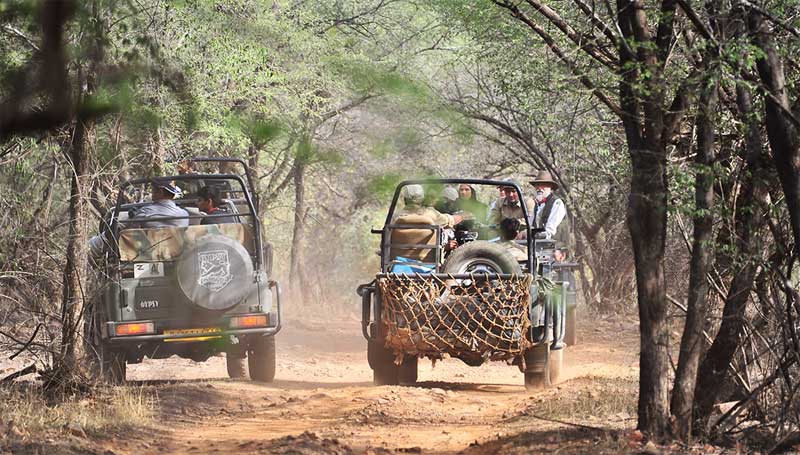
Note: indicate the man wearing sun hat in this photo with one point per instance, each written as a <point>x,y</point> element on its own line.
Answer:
<point>163,205</point>
<point>550,210</point>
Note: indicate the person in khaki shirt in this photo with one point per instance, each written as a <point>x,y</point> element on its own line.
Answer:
<point>413,197</point>
<point>509,206</point>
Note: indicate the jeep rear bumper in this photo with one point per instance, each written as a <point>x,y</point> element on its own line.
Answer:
<point>266,331</point>
<point>215,331</point>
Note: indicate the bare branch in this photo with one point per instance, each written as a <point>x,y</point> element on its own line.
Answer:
<point>605,99</point>
<point>572,34</point>
<point>18,33</point>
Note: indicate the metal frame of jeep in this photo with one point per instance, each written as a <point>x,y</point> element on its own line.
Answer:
<point>371,313</point>
<point>158,344</point>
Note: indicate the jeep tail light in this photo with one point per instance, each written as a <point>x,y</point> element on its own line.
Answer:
<point>134,328</point>
<point>243,322</point>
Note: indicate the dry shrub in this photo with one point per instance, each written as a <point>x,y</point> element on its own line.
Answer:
<point>599,399</point>
<point>31,411</point>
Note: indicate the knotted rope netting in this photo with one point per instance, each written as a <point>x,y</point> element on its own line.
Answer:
<point>439,316</point>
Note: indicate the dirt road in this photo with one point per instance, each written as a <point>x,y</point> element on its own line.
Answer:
<point>323,401</point>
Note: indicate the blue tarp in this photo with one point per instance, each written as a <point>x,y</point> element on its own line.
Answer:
<point>406,265</point>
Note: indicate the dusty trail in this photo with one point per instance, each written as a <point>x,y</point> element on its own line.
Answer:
<point>323,386</point>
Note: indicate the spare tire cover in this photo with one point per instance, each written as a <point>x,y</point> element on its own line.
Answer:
<point>217,273</point>
<point>481,256</point>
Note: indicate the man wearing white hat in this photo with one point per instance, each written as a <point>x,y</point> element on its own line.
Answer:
<point>162,205</point>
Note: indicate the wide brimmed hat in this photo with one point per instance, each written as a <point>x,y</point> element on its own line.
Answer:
<point>544,177</point>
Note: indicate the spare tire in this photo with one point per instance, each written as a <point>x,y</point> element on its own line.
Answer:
<point>217,273</point>
<point>481,256</point>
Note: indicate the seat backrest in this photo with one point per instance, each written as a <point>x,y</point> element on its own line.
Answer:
<point>168,244</point>
<point>413,236</point>
<point>193,211</point>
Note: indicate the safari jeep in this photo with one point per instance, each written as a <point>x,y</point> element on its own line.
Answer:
<point>191,291</point>
<point>477,302</point>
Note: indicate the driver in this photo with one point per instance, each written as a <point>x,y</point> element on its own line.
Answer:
<point>509,206</point>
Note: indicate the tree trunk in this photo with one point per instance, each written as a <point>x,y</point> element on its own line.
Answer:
<point>253,159</point>
<point>74,295</point>
<point>647,221</point>
<point>642,100</point>
<point>74,298</point>
<point>693,340</point>
<point>748,219</point>
<point>781,123</point>
<point>295,269</point>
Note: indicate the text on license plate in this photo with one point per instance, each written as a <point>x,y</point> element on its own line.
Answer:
<point>203,331</point>
<point>148,269</point>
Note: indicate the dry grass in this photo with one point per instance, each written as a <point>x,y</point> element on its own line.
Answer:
<point>106,410</point>
<point>597,400</point>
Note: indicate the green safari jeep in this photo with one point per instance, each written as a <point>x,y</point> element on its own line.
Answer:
<point>193,290</point>
<point>464,293</point>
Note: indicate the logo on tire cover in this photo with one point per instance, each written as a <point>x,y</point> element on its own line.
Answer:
<point>215,269</point>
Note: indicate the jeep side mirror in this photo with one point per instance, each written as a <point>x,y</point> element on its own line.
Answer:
<point>376,231</point>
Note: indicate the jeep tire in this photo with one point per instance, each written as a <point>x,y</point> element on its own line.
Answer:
<point>215,286</point>
<point>236,366</point>
<point>407,371</point>
<point>381,360</point>
<point>537,367</point>
<point>481,257</point>
<point>261,358</point>
<point>570,329</point>
<point>555,365</point>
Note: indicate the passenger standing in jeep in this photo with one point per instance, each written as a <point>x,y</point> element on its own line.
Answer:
<point>550,210</point>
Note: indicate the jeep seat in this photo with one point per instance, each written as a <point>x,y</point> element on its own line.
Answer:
<point>413,236</point>
<point>168,244</point>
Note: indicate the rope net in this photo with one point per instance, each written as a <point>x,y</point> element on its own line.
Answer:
<point>428,315</point>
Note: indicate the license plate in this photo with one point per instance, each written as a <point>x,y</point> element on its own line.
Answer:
<point>148,269</point>
<point>203,331</point>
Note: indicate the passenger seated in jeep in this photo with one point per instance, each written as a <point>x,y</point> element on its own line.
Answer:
<point>162,205</point>
<point>209,201</point>
<point>447,203</point>
<point>509,229</point>
<point>413,197</point>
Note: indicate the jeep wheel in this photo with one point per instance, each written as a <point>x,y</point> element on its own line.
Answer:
<point>570,331</point>
<point>407,371</point>
<point>216,274</point>
<point>261,359</point>
<point>112,364</point>
<point>481,257</point>
<point>236,366</point>
<point>537,367</point>
<point>556,364</point>
<point>381,360</point>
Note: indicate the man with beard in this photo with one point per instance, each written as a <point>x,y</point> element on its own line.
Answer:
<point>509,206</point>
<point>550,210</point>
